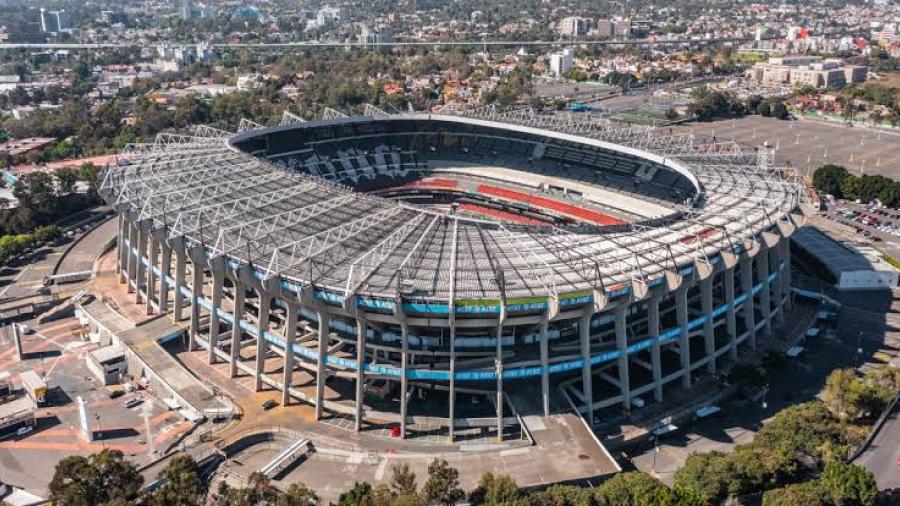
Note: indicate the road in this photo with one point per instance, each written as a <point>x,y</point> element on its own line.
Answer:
<point>341,44</point>
<point>883,454</point>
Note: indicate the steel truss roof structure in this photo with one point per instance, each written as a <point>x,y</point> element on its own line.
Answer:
<point>309,231</point>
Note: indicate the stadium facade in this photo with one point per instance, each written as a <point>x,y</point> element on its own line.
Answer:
<point>392,265</point>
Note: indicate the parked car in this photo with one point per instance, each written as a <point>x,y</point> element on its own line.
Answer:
<point>134,401</point>
<point>115,394</point>
<point>269,404</point>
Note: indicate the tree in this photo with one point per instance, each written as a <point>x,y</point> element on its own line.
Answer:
<point>849,484</point>
<point>403,481</point>
<point>35,193</point>
<point>356,496</point>
<point>101,478</point>
<point>297,495</point>
<point>443,483</point>
<point>709,475</point>
<point>47,233</point>
<point>633,489</point>
<point>499,490</point>
<point>841,393</point>
<point>779,110</point>
<point>809,493</point>
<point>182,484</point>
<point>88,172</point>
<point>66,179</point>
<point>258,491</point>
<point>562,495</point>
<point>829,179</point>
<point>764,109</point>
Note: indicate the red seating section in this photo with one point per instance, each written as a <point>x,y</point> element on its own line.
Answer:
<point>503,215</point>
<point>553,205</point>
<point>563,208</point>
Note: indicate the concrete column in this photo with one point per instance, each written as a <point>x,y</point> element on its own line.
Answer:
<point>360,370</point>
<point>236,331</point>
<point>290,335</point>
<point>320,371</point>
<point>730,316</point>
<point>498,370</point>
<point>778,292</point>
<point>622,346</point>
<point>709,338</point>
<point>765,299</point>
<point>140,280</point>
<point>452,399</point>
<point>681,313</point>
<point>214,327</point>
<point>404,387</point>
<point>196,293</point>
<point>584,337</point>
<point>786,272</point>
<point>131,273</point>
<point>177,296</point>
<point>746,267</point>
<point>153,256</point>
<point>166,264</point>
<point>545,365</point>
<point>655,355</point>
<point>262,346</point>
<point>122,250</point>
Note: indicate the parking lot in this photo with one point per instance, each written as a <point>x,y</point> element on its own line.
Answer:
<point>809,144</point>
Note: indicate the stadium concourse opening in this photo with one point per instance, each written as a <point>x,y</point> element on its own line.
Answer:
<point>447,273</point>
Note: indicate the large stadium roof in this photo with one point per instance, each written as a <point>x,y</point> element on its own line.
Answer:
<point>310,231</point>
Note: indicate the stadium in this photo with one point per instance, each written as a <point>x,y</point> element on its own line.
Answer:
<point>456,270</point>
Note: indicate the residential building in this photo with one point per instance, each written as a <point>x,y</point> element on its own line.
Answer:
<point>573,26</point>
<point>560,63</point>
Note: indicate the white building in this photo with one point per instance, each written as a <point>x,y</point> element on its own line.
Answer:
<point>573,26</point>
<point>327,15</point>
<point>560,63</point>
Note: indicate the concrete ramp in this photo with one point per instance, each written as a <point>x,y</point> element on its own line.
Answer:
<point>285,458</point>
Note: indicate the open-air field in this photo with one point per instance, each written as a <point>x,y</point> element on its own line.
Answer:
<point>808,144</point>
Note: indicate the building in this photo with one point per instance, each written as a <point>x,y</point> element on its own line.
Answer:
<point>108,364</point>
<point>573,26</point>
<point>327,15</point>
<point>376,35</point>
<point>55,21</point>
<point>250,82</point>
<point>441,308</point>
<point>847,266</point>
<point>113,17</point>
<point>623,28</point>
<point>806,71</point>
<point>560,63</point>
<point>605,29</point>
<point>190,11</point>
<point>17,415</point>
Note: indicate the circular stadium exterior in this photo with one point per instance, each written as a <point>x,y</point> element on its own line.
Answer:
<point>532,259</point>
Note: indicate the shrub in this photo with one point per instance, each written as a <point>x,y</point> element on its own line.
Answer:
<point>849,484</point>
